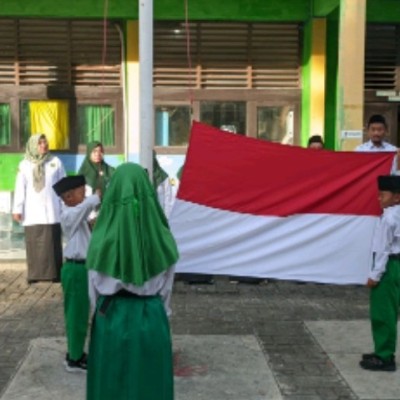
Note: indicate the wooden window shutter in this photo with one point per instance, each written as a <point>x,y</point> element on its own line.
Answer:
<point>381,56</point>
<point>8,53</point>
<point>59,52</point>
<point>227,55</point>
<point>275,52</point>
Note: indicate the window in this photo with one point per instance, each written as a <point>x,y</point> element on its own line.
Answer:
<point>275,124</point>
<point>382,49</point>
<point>5,124</point>
<point>48,117</point>
<point>172,125</point>
<point>237,68</point>
<point>58,82</point>
<point>96,122</point>
<point>228,116</point>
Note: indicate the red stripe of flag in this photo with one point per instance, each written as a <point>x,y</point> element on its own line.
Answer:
<point>242,174</point>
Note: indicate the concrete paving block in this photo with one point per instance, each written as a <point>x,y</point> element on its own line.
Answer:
<point>345,342</point>
<point>217,367</point>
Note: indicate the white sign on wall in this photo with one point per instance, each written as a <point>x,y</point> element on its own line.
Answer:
<point>351,134</point>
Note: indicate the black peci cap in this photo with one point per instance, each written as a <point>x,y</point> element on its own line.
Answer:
<point>389,183</point>
<point>68,183</point>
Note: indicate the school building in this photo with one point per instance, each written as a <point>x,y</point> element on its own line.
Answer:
<point>279,70</point>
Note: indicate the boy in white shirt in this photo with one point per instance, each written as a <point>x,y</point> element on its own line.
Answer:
<point>74,276</point>
<point>384,278</point>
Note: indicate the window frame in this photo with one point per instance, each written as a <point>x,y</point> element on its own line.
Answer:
<point>76,96</point>
<point>252,97</point>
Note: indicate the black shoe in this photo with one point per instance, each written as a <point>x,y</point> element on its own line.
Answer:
<point>76,366</point>
<point>368,356</point>
<point>196,279</point>
<point>374,363</point>
<point>246,279</point>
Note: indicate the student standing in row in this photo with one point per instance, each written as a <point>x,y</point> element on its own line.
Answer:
<point>384,279</point>
<point>74,276</point>
<point>37,207</point>
<point>131,262</point>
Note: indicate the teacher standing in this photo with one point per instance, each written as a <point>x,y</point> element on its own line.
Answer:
<point>96,171</point>
<point>37,208</point>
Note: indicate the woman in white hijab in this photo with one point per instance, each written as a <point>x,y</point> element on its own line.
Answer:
<point>38,208</point>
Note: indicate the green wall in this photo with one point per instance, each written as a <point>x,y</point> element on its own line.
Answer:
<point>321,8</point>
<point>266,10</point>
<point>332,52</point>
<point>8,170</point>
<point>383,11</point>
<point>239,10</point>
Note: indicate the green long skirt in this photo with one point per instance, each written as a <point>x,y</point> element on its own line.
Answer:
<point>130,353</point>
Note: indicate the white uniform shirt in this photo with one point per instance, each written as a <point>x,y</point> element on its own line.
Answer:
<point>370,146</point>
<point>386,240</point>
<point>386,147</point>
<point>161,284</point>
<point>74,223</point>
<point>42,207</point>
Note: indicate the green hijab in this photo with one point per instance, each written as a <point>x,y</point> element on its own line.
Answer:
<point>131,240</point>
<point>32,154</point>
<point>159,175</point>
<point>97,175</point>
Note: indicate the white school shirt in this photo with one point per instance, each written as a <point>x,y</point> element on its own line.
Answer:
<point>370,146</point>
<point>42,207</point>
<point>161,284</point>
<point>75,227</point>
<point>386,240</point>
<point>386,147</point>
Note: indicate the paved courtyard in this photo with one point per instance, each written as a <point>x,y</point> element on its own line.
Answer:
<point>309,335</point>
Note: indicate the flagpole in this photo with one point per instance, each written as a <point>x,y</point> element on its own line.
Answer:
<point>146,107</point>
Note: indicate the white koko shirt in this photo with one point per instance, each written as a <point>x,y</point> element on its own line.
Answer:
<point>75,227</point>
<point>42,207</point>
<point>386,240</point>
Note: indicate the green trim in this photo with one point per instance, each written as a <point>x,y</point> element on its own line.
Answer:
<point>306,84</point>
<point>383,11</point>
<point>234,10</point>
<point>321,8</point>
<point>68,9</point>
<point>332,50</point>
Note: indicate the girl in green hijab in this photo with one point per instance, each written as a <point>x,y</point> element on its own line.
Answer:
<point>131,261</point>
<point>96,171</point>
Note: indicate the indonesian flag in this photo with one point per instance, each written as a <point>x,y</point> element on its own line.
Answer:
<point>247,207</point>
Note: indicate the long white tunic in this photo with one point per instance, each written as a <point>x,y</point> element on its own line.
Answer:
<point>42,207</point>
<point>386,240</point>
<point>75,227</point>
<point>161,284</point>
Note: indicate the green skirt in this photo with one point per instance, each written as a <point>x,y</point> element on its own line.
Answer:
<point>130,353</point>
